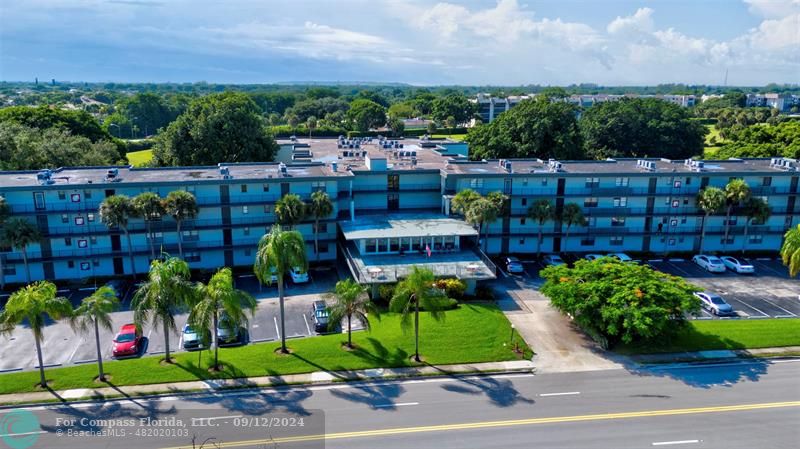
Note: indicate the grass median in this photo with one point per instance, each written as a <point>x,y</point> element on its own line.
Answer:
<point>140,158</point>
<point>471,333</point>
<point>724,334</point>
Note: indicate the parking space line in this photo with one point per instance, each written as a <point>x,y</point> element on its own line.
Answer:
<point>763,265</point>
<point>685,273</point>
<point>777,306</point>
<point>307,326</point>
<point>277,329</point>
<point>748,305</point>
<point>78,346</point>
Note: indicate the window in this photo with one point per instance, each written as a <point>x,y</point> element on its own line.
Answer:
<point>68,241</point>
<point>765,199</point>
<point>476,183</point>
<point>729,242</point>
<point>190,189</point>
<point>590,202</point>
<point>688,181</point>
<point>525,182</point>
<point>96,262</point>
<point>732,221</point>
<point>522,221</point>
<point>86,266</point>
<point>78,221</point>
<point>245,210</point>
<point>621,201</point>
<point>246,231</point>
<point>671,242</point>
<point>75,197</point>
<point>62,195</point>
<point>87,194</point>
<point>372,245</point>
<point>244,188</point>
<point>677,185</point>
<point>616,240</point>
<point>266,187</point>
<point>686,201</point>
<point>267,209</point>
<point>617,221</point>
<point>676,203</point>
<point>192,256</point>
<point>673,223</point>
<point>521,241</point>
<point>323,247</point>
<point>756,238</point>
<point>544,181</point>
<point>192,236</point>
<point>592,182</point>
<point>683,220</point>
<point>320,186</point>
<point>70,264</point>
<point>394,244</point>
<point>323,227</point>
<point>64,218</point>
<point>622,182</point>
<point>587,241</point>
<point>248,252</point>
<point>38,200</point>
<point>90,218</point>
<point>93,240</point>
<point>766,181</point>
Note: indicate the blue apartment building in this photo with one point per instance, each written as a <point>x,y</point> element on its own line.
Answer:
<point>392,209</point>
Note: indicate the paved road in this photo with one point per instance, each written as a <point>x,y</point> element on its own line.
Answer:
<point>742,404</point>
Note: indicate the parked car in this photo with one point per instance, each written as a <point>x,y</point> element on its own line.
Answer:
<point>711,264</point>
<point>299,275</point>
<point>553,259</point>
<point>128,341</point>
<point>593,256</point>
<point>622,257</point>
<point>194,339</point>
<point>715,304</point>
<point>319,314</point>
<point>513,265</point>
<point>228,332</point>
<point>737,265</point>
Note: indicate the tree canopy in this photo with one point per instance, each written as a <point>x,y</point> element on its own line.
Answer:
<point>534,128</point>
<point>77,123</point>
<point>366,114</point>
<point>763,140</point>
<point>225,127</point>
<point>620,301</point>
<point>641,127</point>
<point>453,105</point>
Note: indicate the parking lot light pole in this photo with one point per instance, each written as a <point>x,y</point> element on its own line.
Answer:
<point>512,333</point>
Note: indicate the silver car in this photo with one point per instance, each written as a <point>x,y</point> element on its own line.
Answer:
<point>714,304</point>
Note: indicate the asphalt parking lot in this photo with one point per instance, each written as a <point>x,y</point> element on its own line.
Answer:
<point>63,346</point>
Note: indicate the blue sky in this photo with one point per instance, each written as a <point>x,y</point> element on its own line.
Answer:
<point>506,42</point>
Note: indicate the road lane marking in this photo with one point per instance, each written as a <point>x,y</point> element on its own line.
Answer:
<point>401,404</point>
<point>669,443</point>
<point>566,393</point>
<point>307,326</point>
<point>508,423</point>
<point>277,329</point>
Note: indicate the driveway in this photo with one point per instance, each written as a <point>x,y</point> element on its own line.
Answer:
<point>558,344</point>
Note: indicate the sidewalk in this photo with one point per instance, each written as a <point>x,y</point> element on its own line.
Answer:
<point>318,377</point>
<point>701,356</point>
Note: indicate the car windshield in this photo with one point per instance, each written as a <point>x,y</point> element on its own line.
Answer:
<point>714,260</point>
<point>322,313</point>
<point>188,330</point>
<point>124,338</point>
<point>716,300</point>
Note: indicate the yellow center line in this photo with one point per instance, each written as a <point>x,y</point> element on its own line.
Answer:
<point>507,423</point>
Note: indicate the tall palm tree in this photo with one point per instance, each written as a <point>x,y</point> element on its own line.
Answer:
<point>572,215</point>
<point>219,295</point>
<point>462,201</point>
<point>94,312</point>
<point>278,252</point>
<point>19,233</point>
<point>790,250</point>
<point>311,124</point>
<point>482,211</point>
<point>166,290</point>
<point>736,193</point>
<point>32,304</point>
<point>181,205</point>
<point>541,211</point>
<point>148,205</point>
<point>755,209</point>
<point>290,210</point>
<point>115,212</point>
<point>710,200</point>
<point>413,292</point>
<point>320,207</point>
<point>350,299</point>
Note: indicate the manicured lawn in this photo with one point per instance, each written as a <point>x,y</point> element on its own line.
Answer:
<point>726,334</point>
<point>139,158</point>
<point>458,137</point>
<point>711,149</point>
<point>471,333</point>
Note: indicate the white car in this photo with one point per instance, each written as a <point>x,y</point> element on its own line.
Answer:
<point>622,257</point>
<point>299,275</point>
<point>737,265</point>
<point>553,259</point>
<point>712,264</point>
<point>593,256</point>
<point>715,304</point>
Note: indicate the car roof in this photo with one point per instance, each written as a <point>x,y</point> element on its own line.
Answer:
<point>319,304</point>
<point>128,328</point>
<point>512,259</point>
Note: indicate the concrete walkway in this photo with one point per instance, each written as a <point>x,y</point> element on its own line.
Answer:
<point>559,345</point>
<point>319,377</point>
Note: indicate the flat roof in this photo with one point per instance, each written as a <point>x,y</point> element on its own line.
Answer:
<point>368,227</point>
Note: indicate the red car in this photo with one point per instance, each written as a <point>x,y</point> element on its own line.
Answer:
<point>128,341</point>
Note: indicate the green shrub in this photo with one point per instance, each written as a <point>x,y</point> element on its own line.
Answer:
<point>454,288</point>
<point>301,131</point>
<point>386,291</point>
<point>138,145</point>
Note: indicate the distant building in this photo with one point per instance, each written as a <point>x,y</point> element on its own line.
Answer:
<point>781,102</point>
<point>489,107</point>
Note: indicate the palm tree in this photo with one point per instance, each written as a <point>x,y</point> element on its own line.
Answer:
<point>482,211</point>
<point>32,304</point>
<point>311,124</point>
<point>350,299</point>
<point>148,205</point>
<point>736,192</point>
<point>413,292</point>
<point>115,212</point>
<point>790,250</point>
<point>220,295</point>
<point>94,312</point>
<point>710,200</point>
<point>572,215</point>
<point>463,200</point>
<point>167,288</point>
<point>181,205</point>
<point>755,209</point>
<point>290,210</point>
<point>19,233</point>
<point>320,207</point>
<point>541,211</point>
<point>278,252</point>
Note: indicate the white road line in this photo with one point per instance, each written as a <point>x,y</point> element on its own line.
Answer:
<point>307,326</point>
<point>401,404</point>
<point>748,305</point>
<point>78,346</point>
<point>669,443</point>
<point>180,341</point>
<point>12,435</point>
<point>277,329</point>
<point>567,393</point>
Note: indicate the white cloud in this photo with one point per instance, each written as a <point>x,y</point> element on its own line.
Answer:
<point>776,34</point>
<point>640,21</point>
<point>773,9</point>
